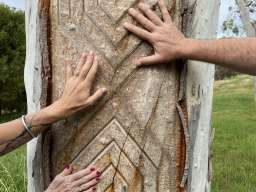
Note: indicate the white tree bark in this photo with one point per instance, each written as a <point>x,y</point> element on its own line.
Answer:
<point>36,72</point>
<point>32,77</point>
<point>199,91</point>
<point>250,29</point>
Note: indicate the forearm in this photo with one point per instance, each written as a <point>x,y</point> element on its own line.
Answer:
<point>13,134</point>
<point>76,96</point>
<point>236,54</point>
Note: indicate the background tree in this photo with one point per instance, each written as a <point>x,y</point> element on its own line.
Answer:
<point>12,59</point>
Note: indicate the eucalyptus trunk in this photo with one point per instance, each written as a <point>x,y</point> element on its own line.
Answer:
<point>152,131</point>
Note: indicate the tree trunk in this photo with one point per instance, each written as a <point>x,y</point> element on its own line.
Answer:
<point>151,132</point>
<point>250,29</point>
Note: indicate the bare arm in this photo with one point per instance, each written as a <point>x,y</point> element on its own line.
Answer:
<point>169,43</point>
<point>76,96</point>
<point>236,54</point>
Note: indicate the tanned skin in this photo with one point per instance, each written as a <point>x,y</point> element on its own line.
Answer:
<point>76,96</point>
<point>170,44</point>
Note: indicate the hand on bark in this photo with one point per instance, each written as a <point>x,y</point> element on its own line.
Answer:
<point>82,181</point>
<point>77,92</point>
<point>167,40</point>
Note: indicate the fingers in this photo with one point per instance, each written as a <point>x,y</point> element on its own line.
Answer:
<point>142,19</point>
<point>88,65</point>
<point>89,185</point>
<point>88,181</point>
<point>165,13</point>
<point>149,60</point>
<point>68,69</point>
<point>91,190</point>
<point>80,64</point>
<point>95,97</point>
<point>67,171</point>
<point>82,173</point>
<point>138,31</point>
<point>90,76</point>
<point>150,14</point>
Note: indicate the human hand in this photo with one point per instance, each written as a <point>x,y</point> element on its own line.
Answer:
<point>77,92</point>
<point>82,181</point>
<point>167,40</point>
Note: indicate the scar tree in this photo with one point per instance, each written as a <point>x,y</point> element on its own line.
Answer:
<point>151,132</point>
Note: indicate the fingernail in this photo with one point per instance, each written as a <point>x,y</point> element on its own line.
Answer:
<point>98,173</point>
<point>67,167</point>
<point>131,10</point>
<point>91,52</point>
<point>140,4</point>
<point>137,63</point>
<point>98,179</point>
<point>92,169</point>
<point>94,189</point>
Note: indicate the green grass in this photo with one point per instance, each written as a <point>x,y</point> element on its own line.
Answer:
<point>13,176</point>
<point>234,118</point>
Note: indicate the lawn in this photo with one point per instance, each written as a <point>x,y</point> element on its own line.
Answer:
<point>13,176</point>
<point>234,118</point>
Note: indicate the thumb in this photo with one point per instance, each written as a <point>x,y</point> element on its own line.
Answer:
<point>96,96</point>
<point>149,60</point>
<point>67,171</point>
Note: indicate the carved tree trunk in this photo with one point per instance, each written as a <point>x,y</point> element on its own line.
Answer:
<point>152,130</point>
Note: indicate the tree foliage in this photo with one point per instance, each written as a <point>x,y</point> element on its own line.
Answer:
<point>12,58</point>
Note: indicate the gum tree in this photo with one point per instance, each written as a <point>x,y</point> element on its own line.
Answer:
<point>152,130</point>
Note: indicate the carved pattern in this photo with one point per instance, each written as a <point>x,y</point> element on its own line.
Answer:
<point>125,166</point>
<point>101,19</point>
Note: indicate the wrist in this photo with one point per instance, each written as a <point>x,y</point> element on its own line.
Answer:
<point>57,111</point>
<point>48,115</point>
<point>189,47</point>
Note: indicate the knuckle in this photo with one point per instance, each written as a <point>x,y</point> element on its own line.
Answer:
<point>68,186</point>
<point>58,178</point>
<point>154,38</point>
<point>136,14</point>
<point>89,103</point>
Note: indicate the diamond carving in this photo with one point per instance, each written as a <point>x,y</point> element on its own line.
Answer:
<point>118,8</point>
<point>124,166</point>
<point>108,15</point>
<point>101,24</point>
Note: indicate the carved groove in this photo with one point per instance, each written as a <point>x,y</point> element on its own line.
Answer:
<point>113,153</point>
<point>125,153</point>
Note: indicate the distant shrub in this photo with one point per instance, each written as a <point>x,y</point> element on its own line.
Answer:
<point>12,59</point>
<point>222,73</point>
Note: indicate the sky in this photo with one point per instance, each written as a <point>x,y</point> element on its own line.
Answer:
<point>19,4</point>
<point>229,11</point>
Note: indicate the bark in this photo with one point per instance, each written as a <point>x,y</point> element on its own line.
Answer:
<point>249,27</point>
<point>152,131</point>
<point>199,93</point>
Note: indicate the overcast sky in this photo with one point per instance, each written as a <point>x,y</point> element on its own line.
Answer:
<point>19,4</point>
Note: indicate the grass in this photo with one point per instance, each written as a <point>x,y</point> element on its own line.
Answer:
<point>13,176</point>
<point>234,118</point>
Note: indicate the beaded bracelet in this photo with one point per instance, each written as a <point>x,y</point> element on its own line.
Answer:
<point>28,128</point>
